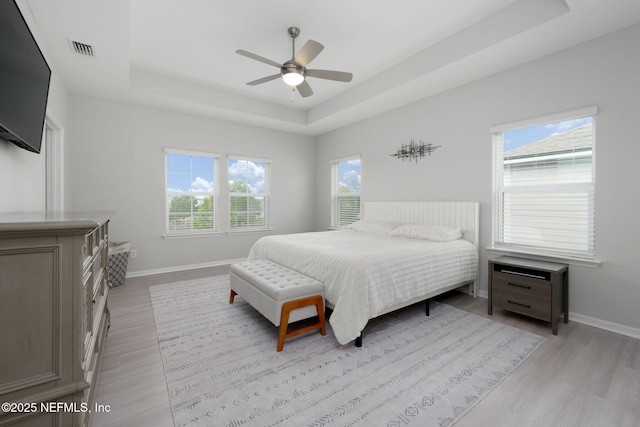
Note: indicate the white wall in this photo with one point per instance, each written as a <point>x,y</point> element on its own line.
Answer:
<point>603,72</point>
<point>21,179</point>
<point>117,163</point>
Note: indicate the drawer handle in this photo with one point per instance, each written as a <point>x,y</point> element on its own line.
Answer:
<point>517,285</point>
<point>517,303</point>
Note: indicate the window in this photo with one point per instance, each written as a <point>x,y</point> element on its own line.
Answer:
<point>191,192</point>
<point>544,185</point>
<point>249,194</point>
<point>345,191</point>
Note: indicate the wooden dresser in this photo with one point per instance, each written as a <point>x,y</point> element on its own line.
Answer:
<point>53,315</point>
<point>534,288</point>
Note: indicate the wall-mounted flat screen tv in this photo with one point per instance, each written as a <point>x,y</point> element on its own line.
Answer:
<point>24,81</point>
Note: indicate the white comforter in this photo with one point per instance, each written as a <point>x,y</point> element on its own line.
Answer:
<point>366,274</point>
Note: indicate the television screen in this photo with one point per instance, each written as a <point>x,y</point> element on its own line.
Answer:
<point>24,81</point>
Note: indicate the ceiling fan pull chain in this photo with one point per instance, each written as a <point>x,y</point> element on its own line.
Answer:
<point>293,89</point>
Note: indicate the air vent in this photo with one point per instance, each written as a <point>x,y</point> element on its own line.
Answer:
<point>82,48</point>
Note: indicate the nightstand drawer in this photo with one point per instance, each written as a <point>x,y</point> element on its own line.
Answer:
<point>540,308</point>
<point>522,285</point>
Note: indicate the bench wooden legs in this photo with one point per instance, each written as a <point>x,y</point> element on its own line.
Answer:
<point>287,307</point>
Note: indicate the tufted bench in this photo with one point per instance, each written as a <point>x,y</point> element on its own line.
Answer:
<point>280,294</point>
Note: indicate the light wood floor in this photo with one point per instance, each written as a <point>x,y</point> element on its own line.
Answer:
<point>584,376</point>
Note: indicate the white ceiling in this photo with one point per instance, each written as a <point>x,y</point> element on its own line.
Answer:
<point>180,54</point>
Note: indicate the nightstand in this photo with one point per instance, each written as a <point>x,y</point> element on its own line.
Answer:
<point>537,289</point>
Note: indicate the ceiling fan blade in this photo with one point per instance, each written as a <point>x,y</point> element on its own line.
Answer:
<point>309,51</point>
<point>304,89</point>
<point>340,76</point>
<point>258,58</point>
<point>264,80</point>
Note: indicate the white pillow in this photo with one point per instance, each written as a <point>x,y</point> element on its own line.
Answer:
<point>378,227</point>
<point>437,233</point>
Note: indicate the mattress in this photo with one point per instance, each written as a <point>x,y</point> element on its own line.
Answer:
<point>366,274</point>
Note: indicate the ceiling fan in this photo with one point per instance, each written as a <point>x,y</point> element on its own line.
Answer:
<point>294,71</point>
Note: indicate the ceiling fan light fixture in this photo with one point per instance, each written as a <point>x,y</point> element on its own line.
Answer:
<point>294,72</point>
<point>292,76</point>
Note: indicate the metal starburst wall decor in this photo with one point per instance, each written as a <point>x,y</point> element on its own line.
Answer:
<point>413,151</point>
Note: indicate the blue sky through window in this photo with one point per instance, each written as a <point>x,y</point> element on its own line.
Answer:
<point>249,172</point>
<point>519,137</point>
<point>349,173</point>
<point>192,173</point>
<point>189,173</point>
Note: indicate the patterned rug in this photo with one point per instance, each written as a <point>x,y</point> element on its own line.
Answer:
<point>222,368</point>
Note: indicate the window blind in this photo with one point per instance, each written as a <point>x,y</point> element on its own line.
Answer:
<point>249,193</point>
<point>544,188</point>
<point>191,192</point>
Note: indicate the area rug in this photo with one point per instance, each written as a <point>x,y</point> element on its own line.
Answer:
<point>222,368</point>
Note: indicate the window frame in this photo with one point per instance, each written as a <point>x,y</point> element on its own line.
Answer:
<point>215,193</point>
<point>497,233</point>
<point>336,195</point>
<point>266,196</point>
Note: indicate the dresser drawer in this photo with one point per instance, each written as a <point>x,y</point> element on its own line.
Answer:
<point>522,285</point>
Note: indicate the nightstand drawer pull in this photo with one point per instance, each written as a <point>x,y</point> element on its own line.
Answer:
<point>517,303</point>
<point>517,285</point>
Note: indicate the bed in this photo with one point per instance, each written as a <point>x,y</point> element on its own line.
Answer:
<point>398,254</point>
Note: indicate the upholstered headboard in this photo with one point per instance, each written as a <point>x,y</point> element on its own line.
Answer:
<point>463,215</point>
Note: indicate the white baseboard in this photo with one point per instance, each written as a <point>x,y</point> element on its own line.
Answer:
<point>606,325</point>
<point>182,268</point>
<point>592,321</point>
